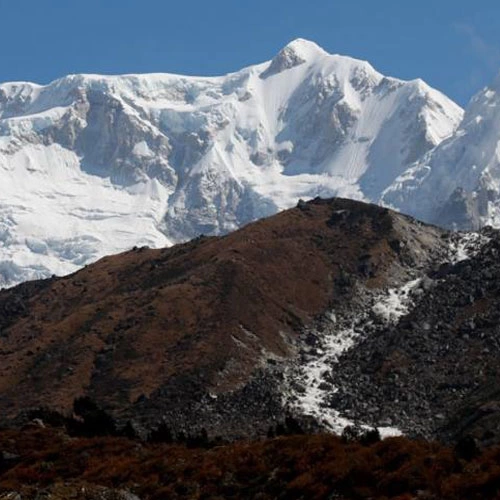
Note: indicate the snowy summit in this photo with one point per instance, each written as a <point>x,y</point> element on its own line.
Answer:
<point>92,165</point>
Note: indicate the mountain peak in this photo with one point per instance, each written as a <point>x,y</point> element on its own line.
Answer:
<point>304,48</point>
<point>293,54</point>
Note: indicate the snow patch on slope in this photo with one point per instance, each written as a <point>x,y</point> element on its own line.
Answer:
<point>396,303</point>
<point>312,400</point>
<point>313,380</point>
<point>465,246</point>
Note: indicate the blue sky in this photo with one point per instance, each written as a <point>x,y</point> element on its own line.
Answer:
<point>453,45</point>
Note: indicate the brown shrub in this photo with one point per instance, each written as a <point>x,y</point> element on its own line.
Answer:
<point>312,467</point>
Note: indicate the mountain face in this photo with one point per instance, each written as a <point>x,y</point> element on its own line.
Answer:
<point>457,184</point>
<point>333,312</point>
<point>93,165</point>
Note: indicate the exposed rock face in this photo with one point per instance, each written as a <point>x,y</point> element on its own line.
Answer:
<point>290,56</point>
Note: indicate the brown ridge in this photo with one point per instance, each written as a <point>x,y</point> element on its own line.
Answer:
<point>212,308</point>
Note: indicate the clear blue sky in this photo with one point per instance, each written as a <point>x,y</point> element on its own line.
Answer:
<point>453,45</point>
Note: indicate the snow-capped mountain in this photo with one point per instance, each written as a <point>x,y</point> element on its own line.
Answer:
<point>92,165</point>
<point>457,184</point>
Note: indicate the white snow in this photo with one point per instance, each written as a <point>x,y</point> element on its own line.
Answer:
<point>59,222</point>
<point>469,160</point>
<point>396,303</point>
<point>311,401</point>
<point>339,337</point>
<point>464,246</point>
<point>142,149</point>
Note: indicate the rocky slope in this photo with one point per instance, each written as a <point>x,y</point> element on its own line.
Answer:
<point>92,165</point>
<point>333,312</point>
<point>435,370</point>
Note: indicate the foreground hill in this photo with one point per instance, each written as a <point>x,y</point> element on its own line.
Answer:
<point>200,328</point>
<point>92,165</point>
<point>333,312</point>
